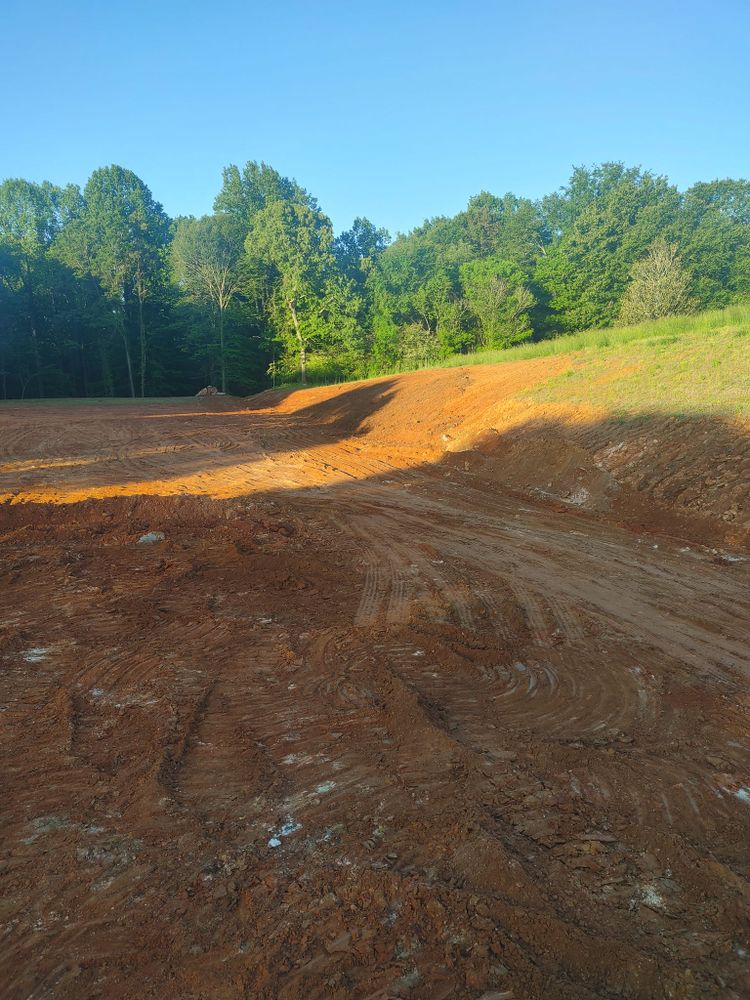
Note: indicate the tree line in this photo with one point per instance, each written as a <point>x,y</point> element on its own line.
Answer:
<point>102,294</point>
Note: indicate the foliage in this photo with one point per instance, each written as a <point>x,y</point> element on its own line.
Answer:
<point>245,193</point>
<point>497,296</point>
<point>713,235</point>
<point>660,286</point>
<point>358,249</point>
<point>102,294</point>
<point>585,273</point>
<point>118,237</point>
<point>206,260</point>
<point>296,241</point>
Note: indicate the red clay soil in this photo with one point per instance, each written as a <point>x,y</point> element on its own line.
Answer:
<point>426,693</point>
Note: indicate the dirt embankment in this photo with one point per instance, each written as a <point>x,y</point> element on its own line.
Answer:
<point>687,474</point>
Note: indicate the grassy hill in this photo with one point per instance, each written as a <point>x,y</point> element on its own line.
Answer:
<point>681,364</point>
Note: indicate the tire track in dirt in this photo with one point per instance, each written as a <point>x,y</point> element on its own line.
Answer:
<point>561,700</point>
<point>560,706</point>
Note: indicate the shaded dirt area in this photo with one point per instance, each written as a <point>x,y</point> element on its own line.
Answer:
<point>427,693</point>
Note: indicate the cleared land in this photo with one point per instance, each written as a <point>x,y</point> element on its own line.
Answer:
<point>438,686</point>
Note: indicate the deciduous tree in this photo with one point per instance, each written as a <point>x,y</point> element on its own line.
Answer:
<point>497,296</point>
<point>586,272</point>
<point>297,241</point>
<point>206,256</point>
<point>659,287</point>
<point>123,230</point>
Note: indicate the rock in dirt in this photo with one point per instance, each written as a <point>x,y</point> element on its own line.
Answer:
<point>151,537</point>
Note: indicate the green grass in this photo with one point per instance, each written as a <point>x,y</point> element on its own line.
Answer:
<point>697,364</point>
<point>704,370</point>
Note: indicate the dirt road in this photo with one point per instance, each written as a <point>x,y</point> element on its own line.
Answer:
<point>369,722</point>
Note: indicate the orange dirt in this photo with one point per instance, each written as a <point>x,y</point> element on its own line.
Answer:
<point>428,692</point>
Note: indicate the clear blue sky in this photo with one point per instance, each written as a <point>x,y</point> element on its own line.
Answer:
<point>394,110</point>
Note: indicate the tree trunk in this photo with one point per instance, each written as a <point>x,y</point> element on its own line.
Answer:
<point>84,370</point>
<point>142,335</point>
<point>130,364</point>
<point>221,350</point>
<point>300,341</point>
<point>108,384</point>
<point>37,362</point>
<point>124,334</point>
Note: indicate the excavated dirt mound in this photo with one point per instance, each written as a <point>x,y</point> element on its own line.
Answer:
<point>425,693</point>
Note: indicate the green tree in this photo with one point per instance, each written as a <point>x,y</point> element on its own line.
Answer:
<point>246,192</point>
<point>584,275</point>
<point>507,228</point>
<point>713,233</point>
<point>31,215</point>
<point>10,280</point>
<point>341,333</point>
<point>659,287</point>
<point>497,296</point>
<point>206,256</point>
<point>357,252</point>
<point>417,347</point>
<point>417,280</point>
<point>587,184</point>
<point>296,242</point>
<point>120,236</point>
<point>358,249</point>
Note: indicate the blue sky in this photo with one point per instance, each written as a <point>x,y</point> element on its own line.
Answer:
<point>394,110</point>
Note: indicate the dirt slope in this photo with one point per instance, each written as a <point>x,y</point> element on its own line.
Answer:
<point>430,691</point>
<point>688,474</point>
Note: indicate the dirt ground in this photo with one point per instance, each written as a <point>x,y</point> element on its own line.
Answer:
<point>426,693</point>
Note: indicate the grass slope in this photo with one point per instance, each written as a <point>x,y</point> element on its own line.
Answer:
<point>734,319</point>
<point>704,371</point>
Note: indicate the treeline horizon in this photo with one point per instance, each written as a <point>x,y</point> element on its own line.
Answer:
<point>103,294</point>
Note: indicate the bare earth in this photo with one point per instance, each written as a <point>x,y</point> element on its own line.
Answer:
<point>381,717</point>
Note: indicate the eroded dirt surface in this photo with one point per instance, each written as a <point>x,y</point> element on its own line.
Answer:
<point>366,723</point>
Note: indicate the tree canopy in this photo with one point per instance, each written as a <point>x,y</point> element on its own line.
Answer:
<point>102,294</point>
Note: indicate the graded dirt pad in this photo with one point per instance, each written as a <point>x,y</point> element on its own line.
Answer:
<point>393,711</point>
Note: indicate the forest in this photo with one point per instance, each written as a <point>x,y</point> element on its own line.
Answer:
<point>102,294</point>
